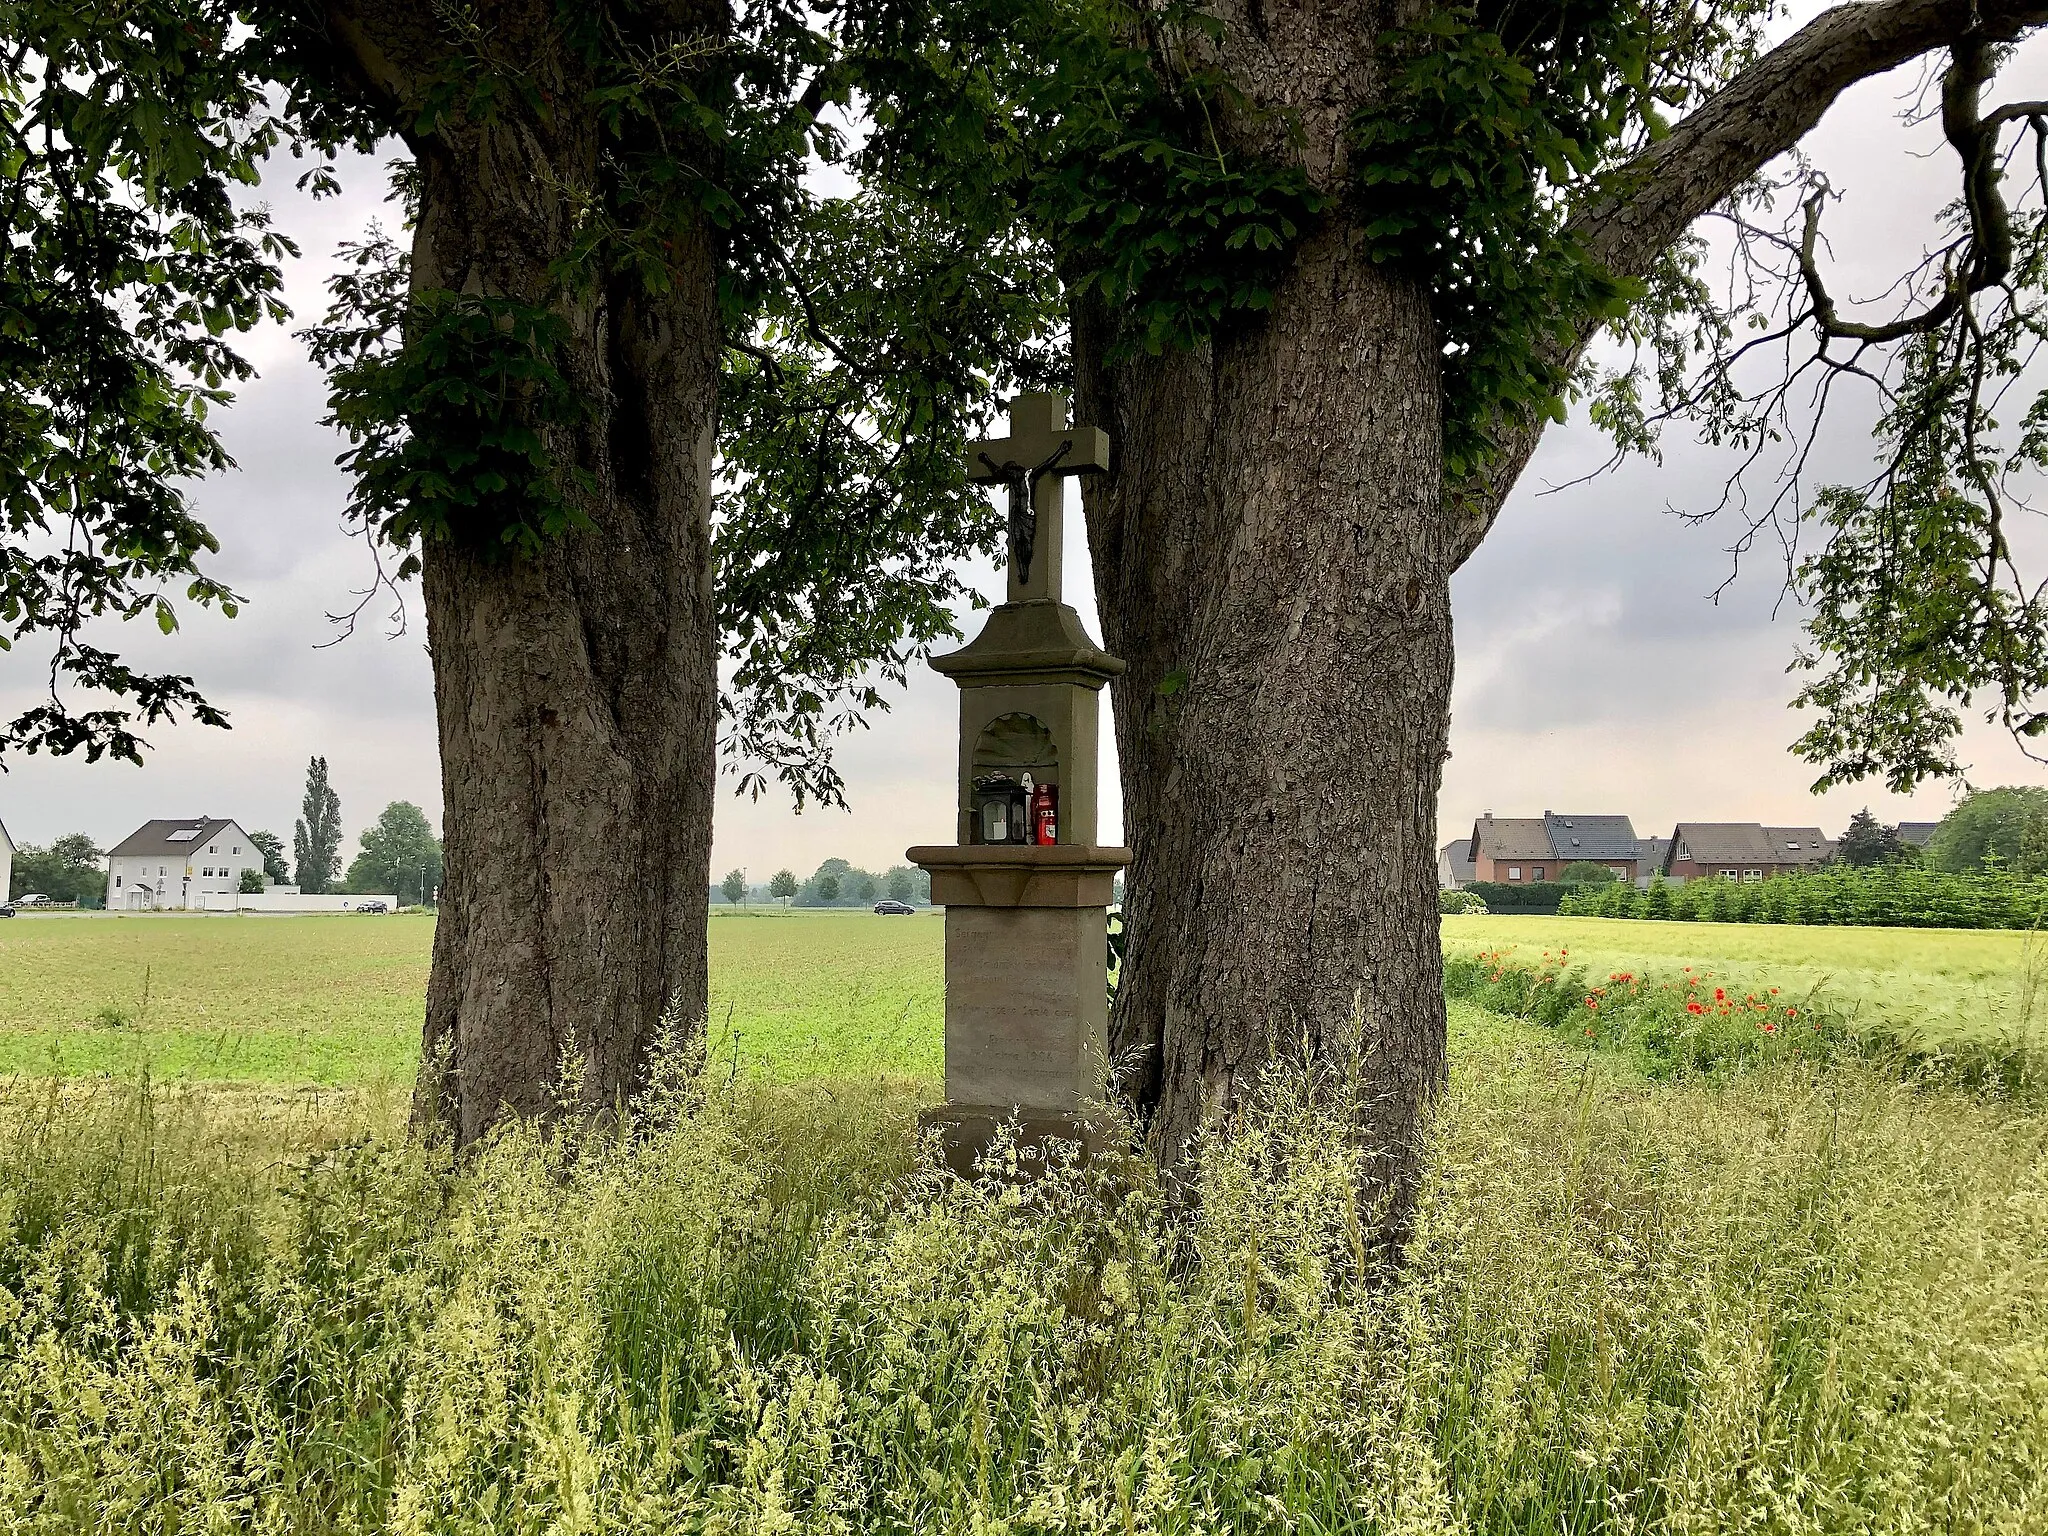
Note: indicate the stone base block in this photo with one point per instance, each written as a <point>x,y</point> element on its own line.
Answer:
<point>1027,1006</point>
<point>967,1131</point>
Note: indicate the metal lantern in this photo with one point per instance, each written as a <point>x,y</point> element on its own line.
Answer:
<point>1001,810</point>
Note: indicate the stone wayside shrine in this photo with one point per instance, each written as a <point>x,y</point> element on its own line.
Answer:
<point>1026,890</point>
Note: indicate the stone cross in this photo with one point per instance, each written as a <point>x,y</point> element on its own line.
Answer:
<point>1041,449</point>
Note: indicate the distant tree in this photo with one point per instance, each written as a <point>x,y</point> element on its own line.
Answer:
<point>1869,841</point>
<point>783,885</point>
<point>76,848</point>
<point>734,885</point>
<point>68,870</point>
<point>813,894</point>
<point>1586,872</point>
<point>2033,854</point>
<point>400,854</point>
<point>316,841</point>
<point>864,889</point>
<point>271,846</point>
<point>252,882</point>
<point>900,885</point>
<point>1988,825</point>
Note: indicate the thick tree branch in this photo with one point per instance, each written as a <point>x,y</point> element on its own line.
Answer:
<point>1760,114</point>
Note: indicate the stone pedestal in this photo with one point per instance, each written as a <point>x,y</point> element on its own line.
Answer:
<point>1027,994</point>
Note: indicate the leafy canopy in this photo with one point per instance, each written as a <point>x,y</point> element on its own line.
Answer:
<point>127,268</point>
<point>865,342</point>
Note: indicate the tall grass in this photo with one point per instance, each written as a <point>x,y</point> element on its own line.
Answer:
<point>1799,1298</point>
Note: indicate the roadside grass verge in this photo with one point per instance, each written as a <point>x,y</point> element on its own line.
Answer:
<point>1951,983</point>
<point>1698,1021</point>
<point>1800,1296</point>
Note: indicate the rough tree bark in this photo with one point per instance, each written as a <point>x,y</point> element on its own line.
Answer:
<point>1273,550</point>
<point>575,690</point>
<point>1273,563</point>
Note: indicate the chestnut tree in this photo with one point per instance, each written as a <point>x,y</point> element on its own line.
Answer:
<point>1331,267</point>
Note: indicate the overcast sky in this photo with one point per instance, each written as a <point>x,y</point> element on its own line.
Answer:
<point>1595,671</point>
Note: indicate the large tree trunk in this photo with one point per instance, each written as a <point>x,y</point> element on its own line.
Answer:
<point>1272,561</point>
<point>576,688</point>
<point>1272,552</point>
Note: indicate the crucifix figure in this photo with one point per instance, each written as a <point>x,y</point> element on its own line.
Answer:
<point>1029,463</point>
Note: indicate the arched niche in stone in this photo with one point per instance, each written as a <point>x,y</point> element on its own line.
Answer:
<point>1016,744</point>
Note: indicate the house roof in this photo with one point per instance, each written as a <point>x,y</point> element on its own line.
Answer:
<point>1722,842</point>
<point>1812,845</point>
<point>1918,833</point>
<point>169,839</point>
<point>1458,855</point>
<point>1748,842</point>
<point>1590,837</point>
<point>1511,837</point>
<point>1650,853</point>
<point>7,843</point>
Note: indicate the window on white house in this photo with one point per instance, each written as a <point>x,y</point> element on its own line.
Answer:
<point>1514,871</point>
<point>117,882</point>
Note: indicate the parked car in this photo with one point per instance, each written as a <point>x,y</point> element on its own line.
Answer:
<point>5,910</point>
<point>895,908</point>
<point>373,906</point>
<point>32,901</point>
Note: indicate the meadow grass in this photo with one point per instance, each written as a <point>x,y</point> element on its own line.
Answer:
<point>1777,1300</point>
<point>337,999</point>
<point>1966,983</point>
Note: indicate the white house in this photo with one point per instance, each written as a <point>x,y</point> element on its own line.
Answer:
<point>6,860</point>
<point>176,864</point>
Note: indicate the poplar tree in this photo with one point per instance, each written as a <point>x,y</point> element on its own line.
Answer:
<point>316,839</point>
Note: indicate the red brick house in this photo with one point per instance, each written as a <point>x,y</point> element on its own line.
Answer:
<point>1743,850</point>
<point>1519,849</point>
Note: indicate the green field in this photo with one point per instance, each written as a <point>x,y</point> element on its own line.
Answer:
<point>338,999</point>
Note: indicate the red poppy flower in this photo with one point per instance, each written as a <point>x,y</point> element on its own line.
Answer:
<point>1720,996</point>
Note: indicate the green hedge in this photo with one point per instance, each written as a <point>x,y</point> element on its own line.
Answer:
<point>1522,895</point>
<point>1886,895</point>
